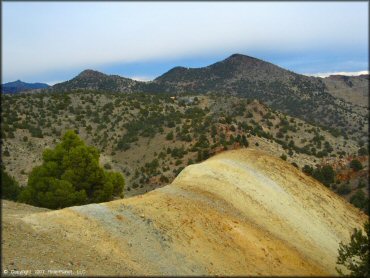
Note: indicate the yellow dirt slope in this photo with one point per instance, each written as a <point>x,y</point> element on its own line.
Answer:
<point>239,213</point>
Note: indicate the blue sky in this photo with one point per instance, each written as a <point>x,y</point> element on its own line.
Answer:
<point>54,41</point>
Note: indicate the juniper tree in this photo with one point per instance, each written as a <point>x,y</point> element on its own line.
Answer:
<point>71,175</point>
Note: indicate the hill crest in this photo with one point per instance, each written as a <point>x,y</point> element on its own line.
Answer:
<point>239,213</point>
<point>243,76</point>
<point>20,86</point>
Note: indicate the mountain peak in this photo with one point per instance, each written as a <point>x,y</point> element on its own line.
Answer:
<point>15,83</point>
<point>235,67</point>
<point>244,59</point>
<point>95,80</point>
<point>20,86</point>
<point>91,73</point>
<point>240,56</point>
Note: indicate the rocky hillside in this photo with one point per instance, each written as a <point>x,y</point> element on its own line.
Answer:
<point>94,80</point>
<point>150,138</point>
<point>307,98</point>
<point>228,72</point>
<point>353,89</point>
<point>297,95</point>
<point>239,213</point>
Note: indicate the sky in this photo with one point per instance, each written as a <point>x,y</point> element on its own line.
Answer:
<point>54,41</point>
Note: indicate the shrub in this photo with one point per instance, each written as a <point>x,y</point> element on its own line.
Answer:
<point>178,152</point>
<point>70,175</point>
<point>307,169</point>
<point>361,184</point>
<point>164,179</point>
<point>169,136</point>
<point>325,175</point>
<point>244,141</point>
<point>355,165</point>
<point>9,187</point>
<point>123,146</point>
<point>344,189</point>
<point>359,199</point>
<point>362,151</point>
<point>202,142</point>
<point>295,165</point>
<point>355,255</point>
<point>36,132</point>
<point>328,174</point>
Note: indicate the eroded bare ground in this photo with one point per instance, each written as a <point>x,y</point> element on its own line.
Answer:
<point>238,213</point>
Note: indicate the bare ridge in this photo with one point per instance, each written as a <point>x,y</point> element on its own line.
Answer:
<point>240,212</point>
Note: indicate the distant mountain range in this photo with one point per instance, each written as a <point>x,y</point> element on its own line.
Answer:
<point>238,75</point>
<point>313,99</point>
<point>20,86</point>
<point>336,102</point>
<point>151,130</point>
<point>232,75</point>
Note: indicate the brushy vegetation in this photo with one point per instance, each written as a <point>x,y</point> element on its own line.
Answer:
<point>193,128</point>
<point>355,256</point>
<point>325,174</point>
<point>10,188</point>
<point>356,165</point>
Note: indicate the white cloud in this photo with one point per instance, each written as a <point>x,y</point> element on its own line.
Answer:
<point>348,73</point>
<point>51,83</point>
<point>142,78</point>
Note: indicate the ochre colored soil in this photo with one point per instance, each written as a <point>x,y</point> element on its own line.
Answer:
<point>239,213</point>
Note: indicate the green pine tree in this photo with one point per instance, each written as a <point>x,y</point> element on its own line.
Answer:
<point>355,256</point>
<point>71,175</point>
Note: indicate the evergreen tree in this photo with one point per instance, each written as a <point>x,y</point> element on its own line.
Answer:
<point>356,165</point>
<point>245,142</point>
<point>9,186</point>
<point>355,255</point>
<point>325,174</point>
<point>71,175</point>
